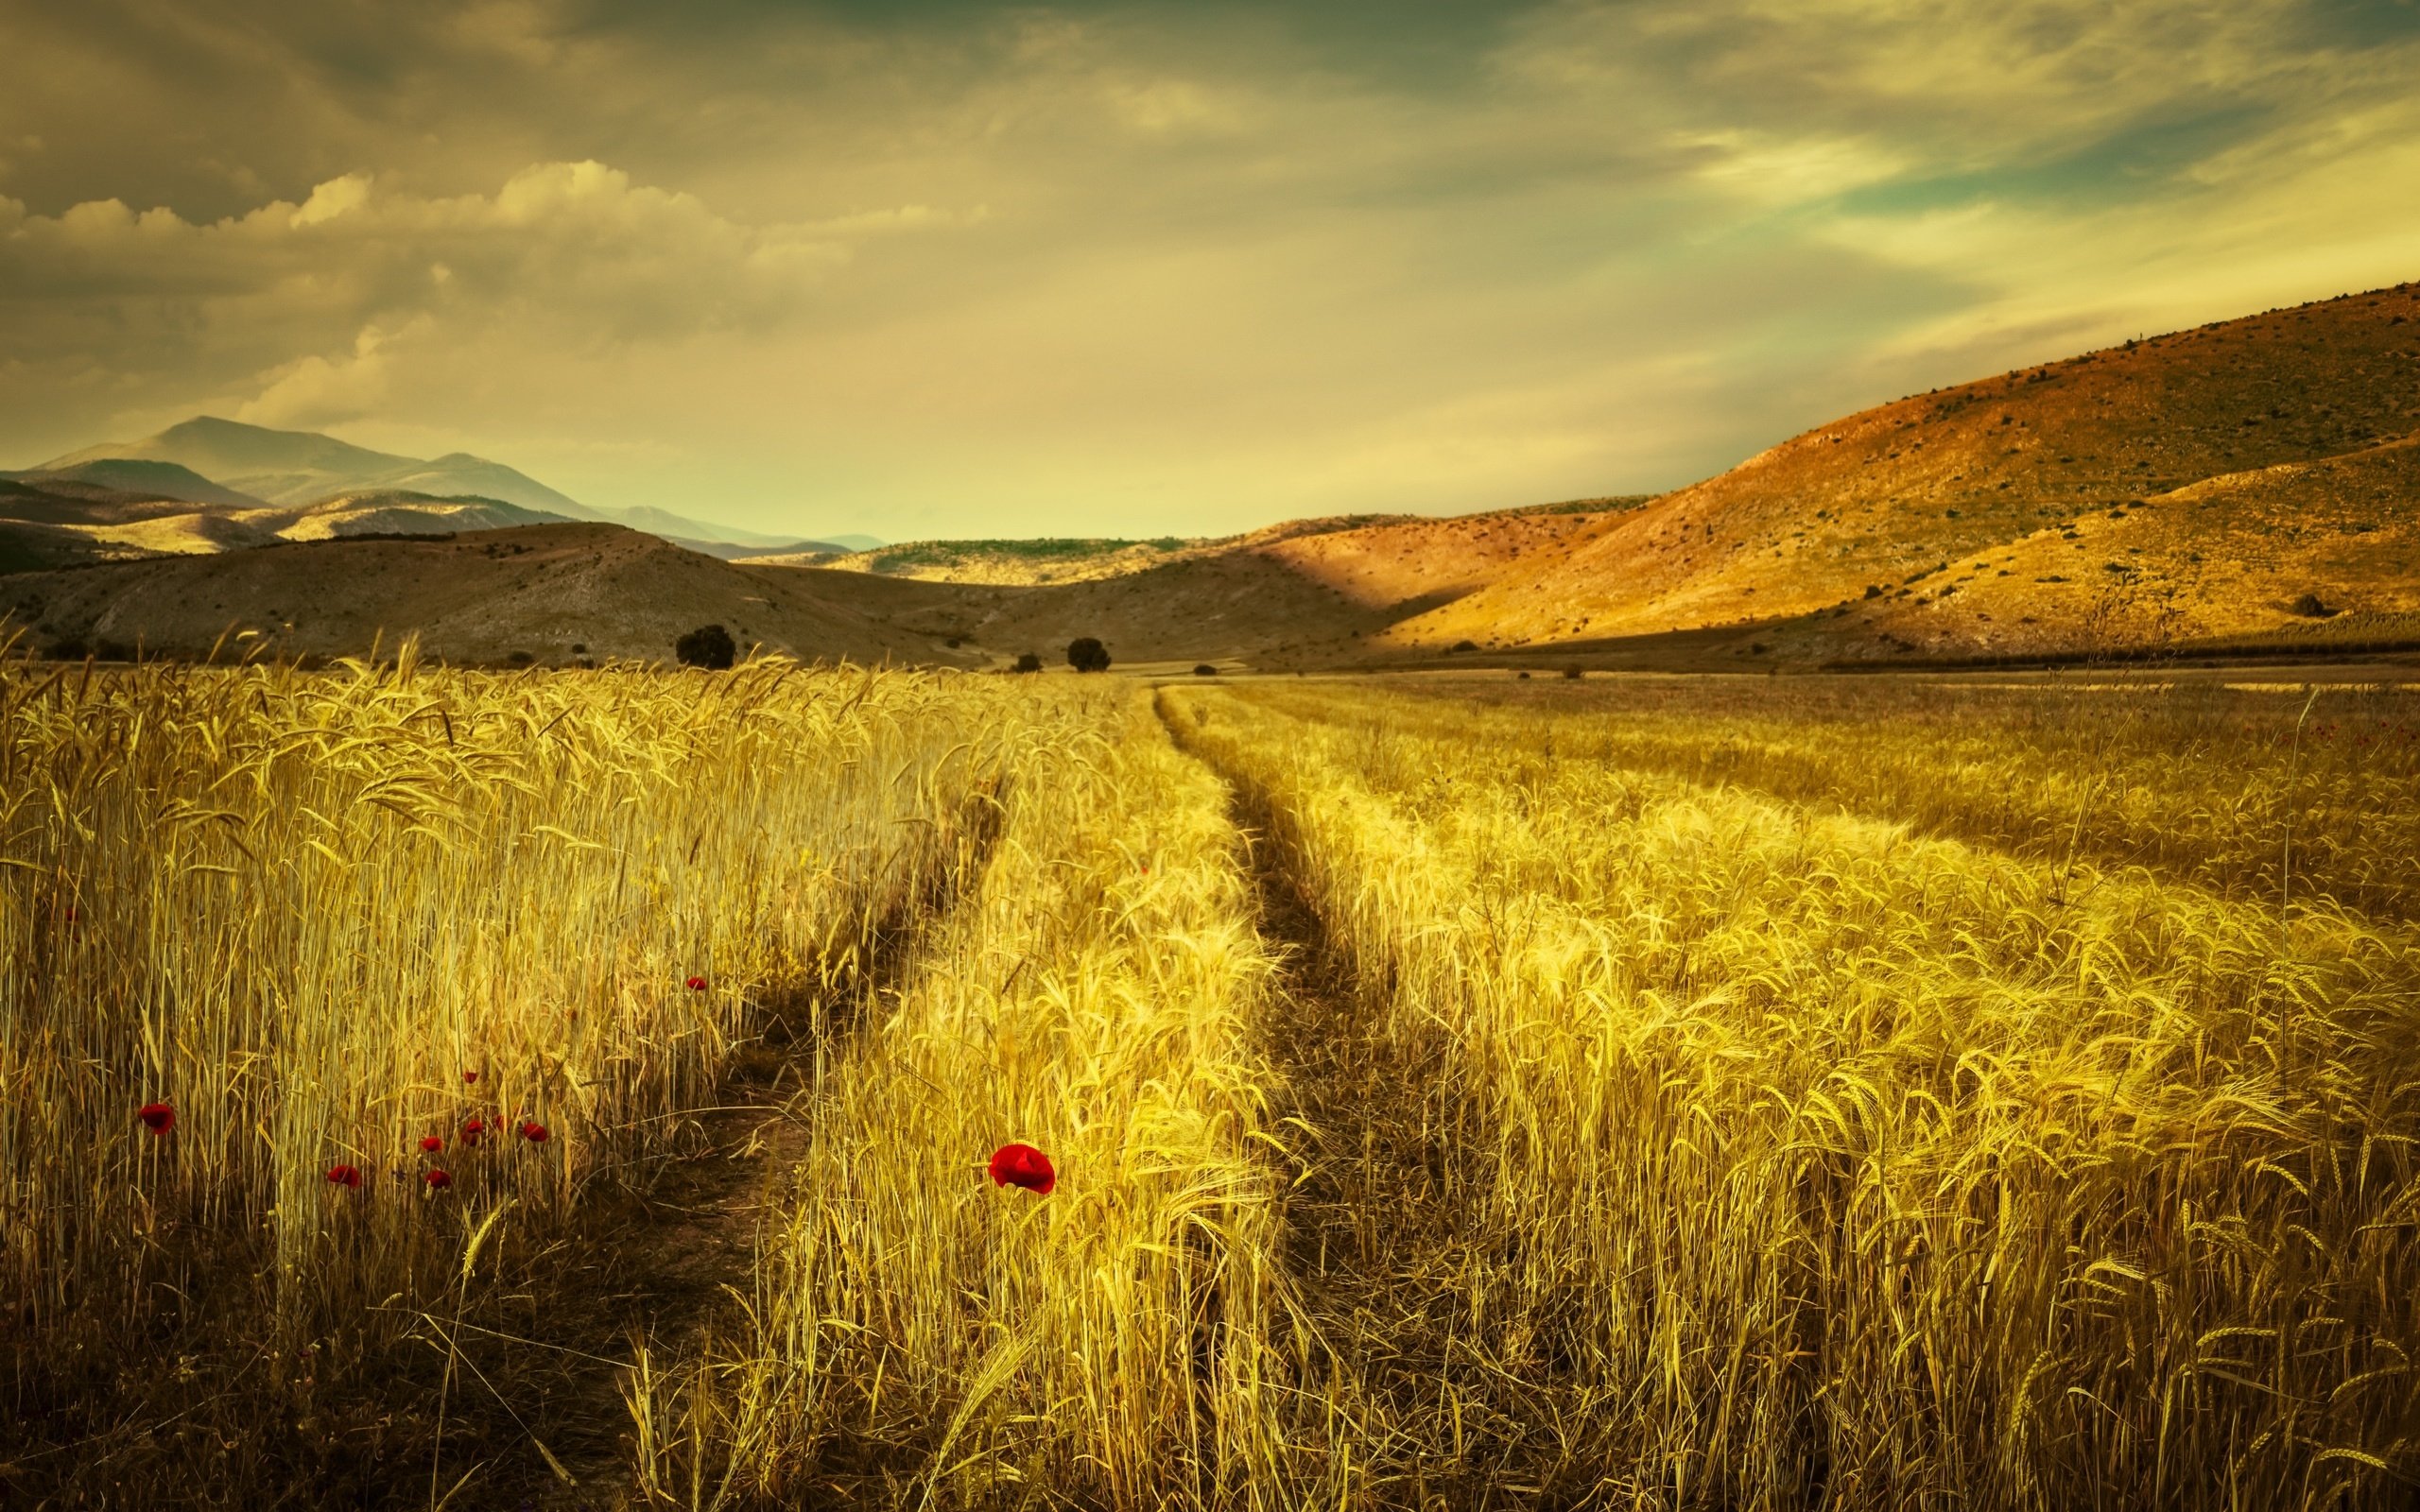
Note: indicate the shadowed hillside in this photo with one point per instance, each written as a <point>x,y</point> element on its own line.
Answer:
<point>548,593</point>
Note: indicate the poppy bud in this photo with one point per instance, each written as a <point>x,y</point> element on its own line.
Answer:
<point>347,1176</point>
<point>534,1132</point>
<point>157,1117</point>
<point>438,1180</point>
<point>470,1076</point>
<point>697,984</point>
<point>1022,1165</point>
<point>431,1143</point>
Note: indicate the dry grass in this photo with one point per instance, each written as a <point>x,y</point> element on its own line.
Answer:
<point>301,910</point>
<point>1801,1159</point>
<point>2200,780</point>
<point>1682,1095</point>
<point>917,1334</point>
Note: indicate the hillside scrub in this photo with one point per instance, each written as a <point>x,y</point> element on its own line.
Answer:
<point>709,646</point>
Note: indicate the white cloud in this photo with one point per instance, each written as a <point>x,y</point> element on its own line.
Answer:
<point>316,391</point>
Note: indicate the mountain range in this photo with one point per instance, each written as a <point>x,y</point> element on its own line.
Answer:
<point>209,460</point>
<point>2248,486</point>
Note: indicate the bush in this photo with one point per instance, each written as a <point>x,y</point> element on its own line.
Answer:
<point>2309,606</point>
<point>1205,670</point>
<point>1029,661</point>
<point>1085,654</point>
<point>1460,646</point>
<point>709,646</point>
<point>68,649</point>
<point>1574,674</point>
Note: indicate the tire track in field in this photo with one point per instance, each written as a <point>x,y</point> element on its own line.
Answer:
<point>1375,1248</point>
<point>656,1262</point>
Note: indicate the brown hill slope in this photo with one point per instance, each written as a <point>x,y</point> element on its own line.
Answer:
<point>137,478</point>
<point>1937,477</point>
<point>2226,559</point>
<point>553,594</point>
<point>1305,593</point>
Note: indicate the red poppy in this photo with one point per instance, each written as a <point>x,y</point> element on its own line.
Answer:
<point>1022,1165</point>
<point>157,1117</point>
<point>472,1131</point>
<point>347,1176</point>
<point>431,1143</point>
<point>534,1131</point>
<point>438,1180</point>
<point>470,1076</point>
<point>697,984</point>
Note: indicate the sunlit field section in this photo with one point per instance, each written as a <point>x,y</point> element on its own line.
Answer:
<point>923,1335</point>
<point>310,975</point>
<point>2229,788</point>
<point>1795,1158</point>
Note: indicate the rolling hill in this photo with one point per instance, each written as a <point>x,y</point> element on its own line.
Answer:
<point>2248,482</point>
<point>138,479</point>
<point>1938,478</point>
<point>549,593</point>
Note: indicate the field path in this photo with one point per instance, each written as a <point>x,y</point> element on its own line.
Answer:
<point>1374,1248</point>
<point>674,1252</point>
<point>663,1256</point>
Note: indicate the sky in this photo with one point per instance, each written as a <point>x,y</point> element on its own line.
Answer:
<point>947,268</point>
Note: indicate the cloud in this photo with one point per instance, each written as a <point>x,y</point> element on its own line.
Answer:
<point>1088,266</point>
<point>315,305</point>
<point>315,391</point>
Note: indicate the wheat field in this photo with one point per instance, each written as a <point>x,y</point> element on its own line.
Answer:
<point>1635,1092</point>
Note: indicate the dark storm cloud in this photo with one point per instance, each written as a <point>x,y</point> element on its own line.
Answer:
<point>938,267</point>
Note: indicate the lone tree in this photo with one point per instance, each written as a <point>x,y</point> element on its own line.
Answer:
<point>1029,661</point>
<point>709,646</point>
<point>1086,654</point>
<point>1205,670</point>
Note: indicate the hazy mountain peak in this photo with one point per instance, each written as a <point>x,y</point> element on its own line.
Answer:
<point>300,468</point>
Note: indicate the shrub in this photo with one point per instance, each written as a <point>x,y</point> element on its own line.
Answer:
<point>2309,606</point>
<point>1460,646</point>
<point>1029,661</point>
<point>1086,654</point>
<point>68,649</point>
<point>1574,674</point>
<point>1204,670</point>
<point>709,646</point>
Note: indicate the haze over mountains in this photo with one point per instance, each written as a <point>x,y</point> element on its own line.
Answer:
<point>241,465</point>
<point>2255,481</point>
